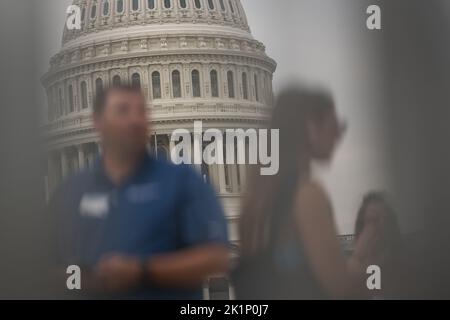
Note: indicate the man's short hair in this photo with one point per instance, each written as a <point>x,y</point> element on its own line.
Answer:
<point>102,95</point>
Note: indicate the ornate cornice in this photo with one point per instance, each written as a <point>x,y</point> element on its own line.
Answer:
<point>146,59</point>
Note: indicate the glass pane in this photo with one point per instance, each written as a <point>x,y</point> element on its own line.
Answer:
<point>136,80</point>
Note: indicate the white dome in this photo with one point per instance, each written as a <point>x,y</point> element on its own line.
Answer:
<point>193,63</point>
<point>101,15</point>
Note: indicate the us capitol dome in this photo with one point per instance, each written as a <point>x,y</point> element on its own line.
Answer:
<point>195,60</point>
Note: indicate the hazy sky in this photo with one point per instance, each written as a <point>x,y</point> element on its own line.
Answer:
<point>317,42</point>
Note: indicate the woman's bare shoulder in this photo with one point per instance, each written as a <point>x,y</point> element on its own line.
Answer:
<point>311,196</point>
<point>311,188</point>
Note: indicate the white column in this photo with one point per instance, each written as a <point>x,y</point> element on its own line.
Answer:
<point>222,180</point>
<point>99,148</point>
<point>197,149</point>
<point>166,88</point>
<point>171,146</point>
<point>81,159</point>
<point>214,176</point>
<point>127,10</point>
<point>49,180</point>
<point>243,176</point>
<point>234,178</point>
<point>221,167</point>
<point>64,164</point>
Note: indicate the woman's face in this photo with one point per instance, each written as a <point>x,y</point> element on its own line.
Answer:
<point>324,135</point>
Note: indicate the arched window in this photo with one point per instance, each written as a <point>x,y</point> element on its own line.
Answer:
<point>156,85</point>
<point>176,84</point>
<point>84,95</point>
<point>93,11</point>
<point>98,85</point>
<point>230,79</point>
<point>119,6</point>
<point>183,4</point>
<point>244,86</point>
<point>214,84</point>
<point>222,5</point>
<point>106,7</point>
<point>256,88</point>
<point>135,5</point>
<point>136,80</point>
<point>231,6</point>
<point>116,80</point>
<point>167,4</point>
<point>151,4</point>
<point>196,84</point>
<point>71,99</point>
<point>211,4</point>
<point>198,4</point>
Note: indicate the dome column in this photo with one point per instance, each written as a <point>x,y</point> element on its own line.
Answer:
<point>234,177</point>
<point>243,176</point>
<point>171,146</point>
<point>221,168</point>
<point>64,163</point>
<point>81,158</point>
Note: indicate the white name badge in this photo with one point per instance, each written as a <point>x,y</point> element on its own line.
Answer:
<point>94,205</point>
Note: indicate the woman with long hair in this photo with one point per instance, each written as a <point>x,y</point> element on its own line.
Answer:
<point>289,245</point>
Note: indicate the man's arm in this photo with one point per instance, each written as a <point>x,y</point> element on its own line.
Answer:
<point>182,269</point>
<point>188,268</point>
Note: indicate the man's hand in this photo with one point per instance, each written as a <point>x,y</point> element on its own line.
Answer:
<point>119,273</point>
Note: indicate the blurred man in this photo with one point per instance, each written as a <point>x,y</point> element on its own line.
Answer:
<point>136,226</point>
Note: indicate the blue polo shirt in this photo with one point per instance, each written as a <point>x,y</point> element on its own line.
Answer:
<point>162,208</point>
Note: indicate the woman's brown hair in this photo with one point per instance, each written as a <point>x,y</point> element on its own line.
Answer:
<point>269,200</point>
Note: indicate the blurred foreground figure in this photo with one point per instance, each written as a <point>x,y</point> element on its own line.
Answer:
<point>376,222</point>
<point>290,248</point>
<point>138,227</point>
<point>416,82</point>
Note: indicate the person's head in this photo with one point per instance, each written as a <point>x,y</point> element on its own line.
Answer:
<point>308,130</point>
<point>376,210</point>
<point>120,118</point>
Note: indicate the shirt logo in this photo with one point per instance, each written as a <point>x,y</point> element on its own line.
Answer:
<point>94,205</point>
<point>142,193</point>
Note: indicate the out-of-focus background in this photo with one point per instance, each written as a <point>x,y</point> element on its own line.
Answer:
<point>321,43</point>
<point>391,86</point>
